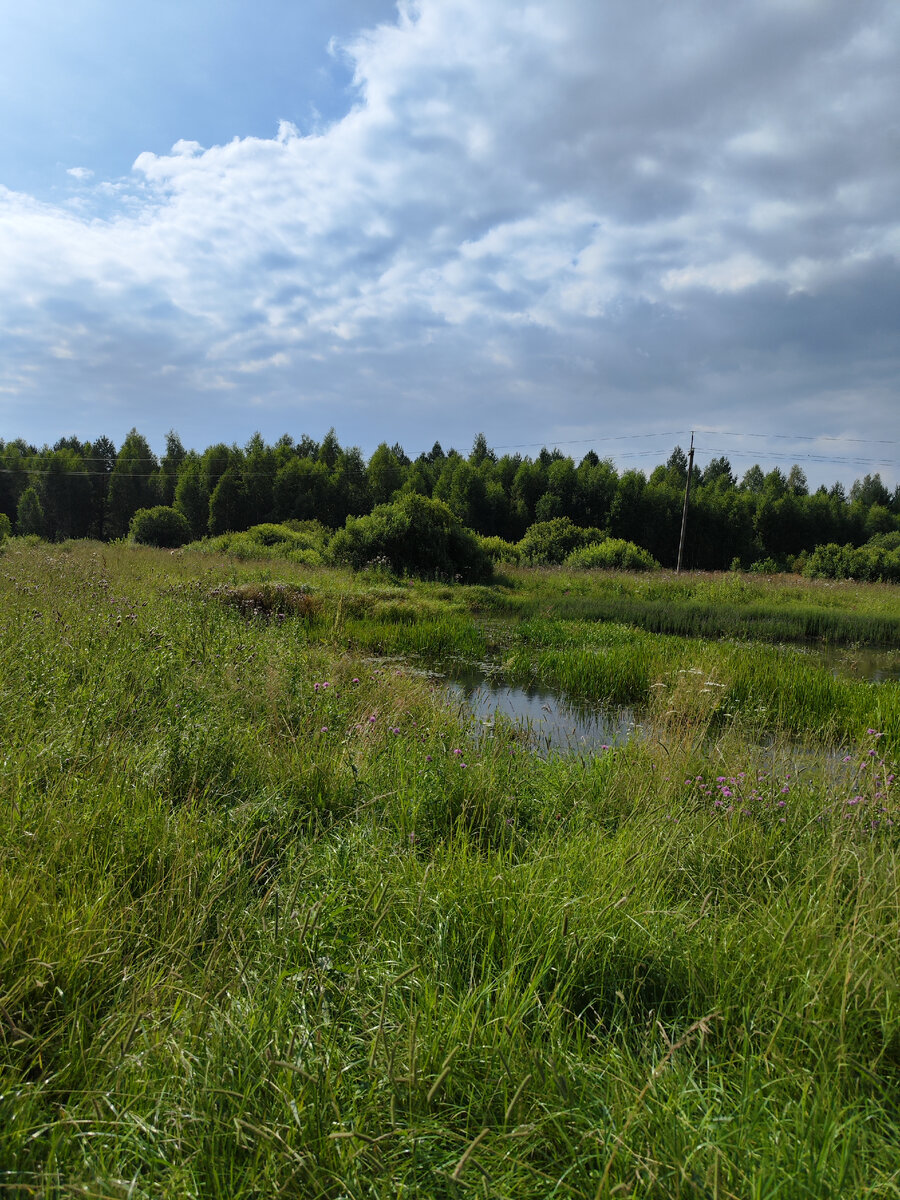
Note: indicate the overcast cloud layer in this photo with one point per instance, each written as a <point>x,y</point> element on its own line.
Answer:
<point>548,221</point>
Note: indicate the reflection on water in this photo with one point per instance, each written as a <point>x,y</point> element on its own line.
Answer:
<point>863,662</point>
<point>552,723</point>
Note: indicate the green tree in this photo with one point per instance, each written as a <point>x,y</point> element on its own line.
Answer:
<point>559,498</point>
<point>350,486</point>
<point>627,515</point>
<point>30,514</point>
<point>870,490</point>
<point>13,474</point>
<point>754,481</point>
<point>596,486</point>
<point>214,462</point>
<point>879,519</point>
<point>130,483</point>
<point>302,491</point>
<point>675,471</point>
<point>169,466</point>
<point>462,488</point>
<point>228,503</point>
<point>717,473</point>
<point>418,480</point>
<point>385,474</point>
<point>796,481</point>
<point>528,485</point>
<point>66,496</point>
<point>100,459</point>
<point>260,466</point>
<point>330,449</point>
<point>480,451</point>
<point>191,496</point>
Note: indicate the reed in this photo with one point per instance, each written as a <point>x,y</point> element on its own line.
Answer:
<point>762,689</point>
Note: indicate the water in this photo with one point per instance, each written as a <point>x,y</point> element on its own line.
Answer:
<point>551,721</point>
<point>864,662</point>
<point>554,723</point>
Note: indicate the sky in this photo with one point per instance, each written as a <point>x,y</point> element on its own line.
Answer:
<point>597,224</point>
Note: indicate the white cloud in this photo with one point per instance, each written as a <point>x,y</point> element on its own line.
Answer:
<point>521,189</point>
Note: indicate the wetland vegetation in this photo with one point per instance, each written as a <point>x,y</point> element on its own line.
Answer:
<point>281,917</point>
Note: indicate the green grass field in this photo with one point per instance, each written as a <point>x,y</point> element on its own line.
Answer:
<point>277,920</point>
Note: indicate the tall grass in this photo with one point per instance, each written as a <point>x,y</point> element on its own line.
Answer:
<point>717,605</point>
<point>261,936</point>
<point>721,620</point>
<point>771,690</point>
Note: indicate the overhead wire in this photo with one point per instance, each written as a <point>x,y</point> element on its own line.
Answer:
<point>599,440</point>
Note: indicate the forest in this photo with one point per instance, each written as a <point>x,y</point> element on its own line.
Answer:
<point>771,519</point>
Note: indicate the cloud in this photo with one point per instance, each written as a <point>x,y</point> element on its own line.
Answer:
<point>82,174</point>
<point>534,214</point>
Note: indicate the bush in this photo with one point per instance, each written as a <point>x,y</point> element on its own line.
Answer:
<point>549,542</point>
<point>299,541</point>
<point>500,550</point>
<point>160,526</point>
<point>767,566</point>
<point>5,528</point>
<point>413,536</point>
<point>269,599</point>
<point>878,561</point>
<point>613,554</point>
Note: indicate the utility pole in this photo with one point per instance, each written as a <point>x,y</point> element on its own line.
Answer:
<point>687,496</point>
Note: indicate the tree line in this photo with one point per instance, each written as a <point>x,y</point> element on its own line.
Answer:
<point>78,489</point>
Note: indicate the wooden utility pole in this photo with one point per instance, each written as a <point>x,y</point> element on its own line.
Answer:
<point>687,496</point>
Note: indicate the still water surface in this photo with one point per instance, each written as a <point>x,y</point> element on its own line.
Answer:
<point>555,723</point>
<point>552,722</point>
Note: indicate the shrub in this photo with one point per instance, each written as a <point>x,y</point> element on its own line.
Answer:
<point>549,542</point>
<point>269,599</point>
<point>766,566</point>
<point>413,536</point>
<point>5,528</point>
<point>613,554</point>
<point>877,561</point>
<point>159,526</point>
<point>500,550</point>
<point>299,541</point>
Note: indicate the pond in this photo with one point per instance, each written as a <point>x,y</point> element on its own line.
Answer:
<point>551,721</point>
<point>557,724</point>
<point>873,663</point>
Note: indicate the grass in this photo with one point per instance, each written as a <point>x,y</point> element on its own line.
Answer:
<point>274,921</point>
<point>729,605</point>
<point>764,690</point>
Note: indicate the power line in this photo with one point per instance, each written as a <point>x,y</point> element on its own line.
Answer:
<point>600,439</point>
<point>800,437</point>
<point>597,440</point>
<point>820,458</point>
<point>624,437</point>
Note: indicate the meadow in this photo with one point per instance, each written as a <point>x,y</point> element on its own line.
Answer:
<point>277,918</point>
